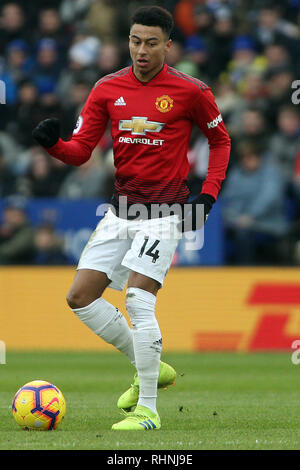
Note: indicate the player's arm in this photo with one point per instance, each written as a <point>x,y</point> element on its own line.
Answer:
<point>208,118</point>
<point>90,127</point>
<point>205,113</point>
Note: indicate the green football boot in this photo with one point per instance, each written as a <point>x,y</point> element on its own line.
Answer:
<point>141,419</point>
<point>167,376</point>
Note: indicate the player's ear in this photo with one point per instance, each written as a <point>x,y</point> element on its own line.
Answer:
<point>168,45</point>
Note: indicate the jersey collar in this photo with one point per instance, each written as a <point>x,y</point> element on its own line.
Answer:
<point>153,80</point>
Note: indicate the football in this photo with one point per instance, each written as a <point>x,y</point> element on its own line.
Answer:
<point>39,405</point>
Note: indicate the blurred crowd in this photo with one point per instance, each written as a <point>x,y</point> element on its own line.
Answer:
<point>51,54</point>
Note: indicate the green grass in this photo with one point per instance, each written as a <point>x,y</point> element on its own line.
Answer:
<point>220,401</point>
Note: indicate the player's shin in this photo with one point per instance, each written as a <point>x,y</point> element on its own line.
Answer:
<point>108,322</point>
<point>147,343</point>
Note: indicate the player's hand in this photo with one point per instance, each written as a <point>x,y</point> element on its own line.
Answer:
<point>47,132</point>
<point>192,221</point>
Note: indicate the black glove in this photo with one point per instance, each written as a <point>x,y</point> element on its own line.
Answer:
<point>47,132</point>
<point>191,222</point>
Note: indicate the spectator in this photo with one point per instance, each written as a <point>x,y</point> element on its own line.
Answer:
<point>108,60</point>
<point>48,66</point>
<point>271,26</point>
<point>73,10</point>
<point>50,26</point>
<point>12,25</point>
<point>26,113</point>
<point>254,91</point>
<point>254,207</point>
<point>85,51</point>
<point>253,99</point>
<point>11,150</point>
<point>193,17</point>
<point>285,145</point>
<point>245,59</point>
<point>7,178</point>
<point>296,180</point>
<point>194,61</point>
<point>86,181</point>
<point>279,92</point>
<point>252,126</point>
<point>277,56</point>
<point>220,42</point>
<point>81,67</point>
<point>203,19</point>
<point>59,172</point>
<point>16,233</point>
<point>18,60</point>
<point>40,179</point>
<point>228,100</point>
<point>78,95</point>
<point>48,247</point>
<point>102,20</point>
<point>184,17</point>
<point>50,106</point>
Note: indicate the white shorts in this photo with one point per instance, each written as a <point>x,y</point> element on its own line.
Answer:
<point>118,246</point>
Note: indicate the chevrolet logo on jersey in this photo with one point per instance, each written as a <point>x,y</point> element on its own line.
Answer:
<point>140,125</point>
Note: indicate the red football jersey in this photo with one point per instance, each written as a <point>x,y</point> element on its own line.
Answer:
<point>151,125</point>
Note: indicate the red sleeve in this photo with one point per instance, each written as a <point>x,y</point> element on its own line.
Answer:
<point>90,126</point>
<point>206,114</point>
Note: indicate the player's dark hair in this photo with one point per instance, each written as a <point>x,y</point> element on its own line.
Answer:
<point>154,16</point>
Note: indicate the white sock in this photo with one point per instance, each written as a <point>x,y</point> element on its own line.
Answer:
<point>147,343</point>
<point>108,322</point>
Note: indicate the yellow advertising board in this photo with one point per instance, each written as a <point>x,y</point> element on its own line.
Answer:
<point>199,309</point>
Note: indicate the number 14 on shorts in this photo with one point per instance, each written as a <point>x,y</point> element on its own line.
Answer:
<point>150,251</point>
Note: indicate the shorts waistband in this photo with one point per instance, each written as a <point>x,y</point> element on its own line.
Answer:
<point>148,211</point>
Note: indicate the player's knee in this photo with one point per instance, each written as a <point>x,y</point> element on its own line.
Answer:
<point>129,303</point>
<point>140,306</point>
<point>77,299</point>
<point>133,303</point>
<point>72,300</point>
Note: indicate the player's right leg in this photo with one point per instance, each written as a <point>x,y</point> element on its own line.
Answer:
<point>100,316</point>
<point>106,321</point>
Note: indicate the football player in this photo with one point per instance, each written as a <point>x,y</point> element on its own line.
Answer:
<point>152,108</point>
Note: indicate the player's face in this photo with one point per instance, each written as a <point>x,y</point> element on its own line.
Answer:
<point>148,47</point>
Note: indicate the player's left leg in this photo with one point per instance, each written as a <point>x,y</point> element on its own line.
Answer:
<point>148,259</point>
<point>167,374</point>
<point>147,343</point>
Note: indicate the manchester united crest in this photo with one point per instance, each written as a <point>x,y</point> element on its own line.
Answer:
<point>164,103</point>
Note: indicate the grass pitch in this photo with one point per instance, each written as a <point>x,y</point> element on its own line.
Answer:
<point>220,401</point>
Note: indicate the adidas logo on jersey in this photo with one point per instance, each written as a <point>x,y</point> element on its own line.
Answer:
<point>120,102</point>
